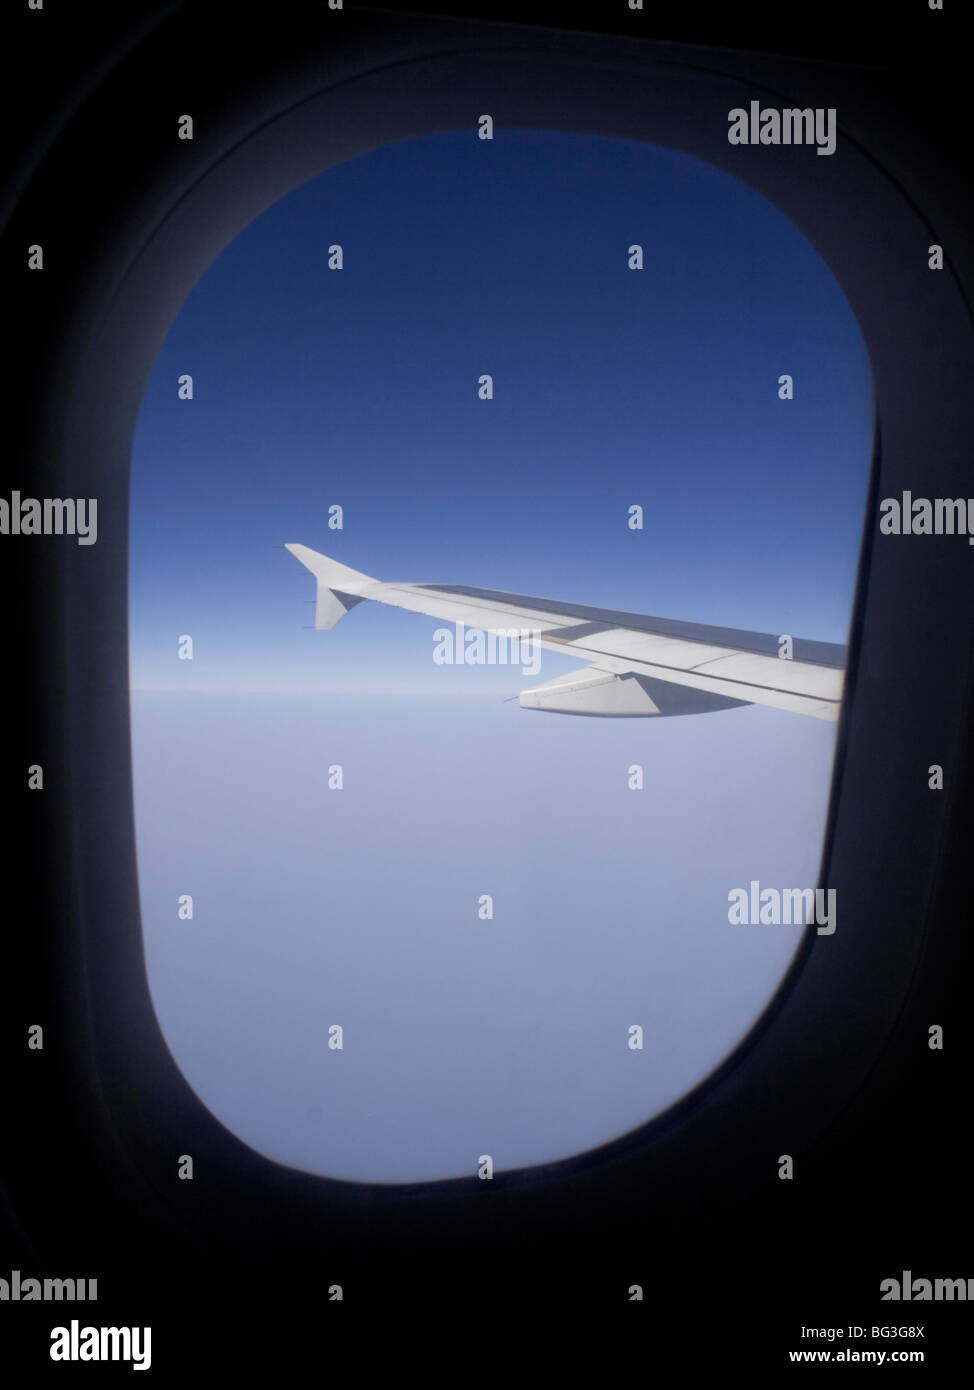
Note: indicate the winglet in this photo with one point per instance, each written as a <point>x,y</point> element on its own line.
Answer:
<point>338,585</point>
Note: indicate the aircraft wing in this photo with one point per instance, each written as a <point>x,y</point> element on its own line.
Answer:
<point>639,665</point>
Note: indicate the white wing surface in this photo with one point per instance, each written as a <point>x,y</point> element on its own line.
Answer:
<point>638,665</point>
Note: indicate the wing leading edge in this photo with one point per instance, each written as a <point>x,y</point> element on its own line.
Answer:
<point>638,665</point>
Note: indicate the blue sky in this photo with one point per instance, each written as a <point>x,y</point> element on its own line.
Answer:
<point>359,387</point>
<point>612,386</point>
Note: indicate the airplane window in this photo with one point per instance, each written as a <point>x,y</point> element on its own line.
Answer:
<point>559,426</point>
